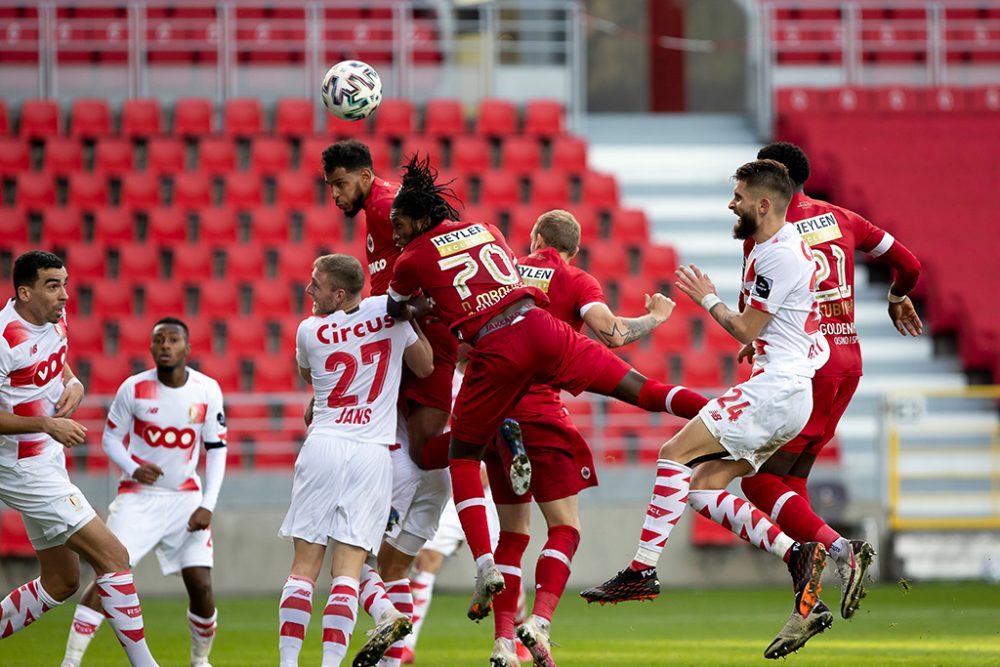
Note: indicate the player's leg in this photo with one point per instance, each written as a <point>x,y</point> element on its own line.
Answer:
<point>515,525</point>
<point>202,616</point>
<point>425,568</point>
<point>340,613</point>
<point>429,443</point>
<point>394,567</point>
<point>59,579</point>
<point>295,606</point>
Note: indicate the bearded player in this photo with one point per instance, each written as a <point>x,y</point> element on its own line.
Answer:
<point>156,427</point>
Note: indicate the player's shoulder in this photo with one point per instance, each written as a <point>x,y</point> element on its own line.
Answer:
<point>806,206</point>
<point>141,385</point>
<point>13,331</point>
<point>375,304</point>
<point>199,379</point>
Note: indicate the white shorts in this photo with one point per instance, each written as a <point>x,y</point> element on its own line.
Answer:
<point>450,536</point>
<point>341,491</point>
<point>148,520</point>
<point>52,507</point>
<point>418,497</point>
<point>754,419</point>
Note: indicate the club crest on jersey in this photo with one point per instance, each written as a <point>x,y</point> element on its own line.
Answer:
<point>461,239</point>
<point>370,243</point>
<point>818,229</point>
<point>74,503</point>
<point>196,413</point>
<point>536,276</point>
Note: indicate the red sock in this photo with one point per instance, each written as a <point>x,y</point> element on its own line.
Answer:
<point>788,508</point>
<point>656,396</point>
<point>434,455</point>
<point>796,484</point>
<point>510,549</point>
<point>552,569</point>
<point>467,489</point>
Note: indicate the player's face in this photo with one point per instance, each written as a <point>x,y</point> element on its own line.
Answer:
<point>745,207</point>
<point>405,228</point>
<point>46,298</point>
<point>348,188</point>
<point>326,297</point>
<point>169,346</point>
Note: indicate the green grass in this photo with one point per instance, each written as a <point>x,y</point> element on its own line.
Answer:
<point>927,625</point>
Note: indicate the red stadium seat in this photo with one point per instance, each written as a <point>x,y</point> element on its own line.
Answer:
<point>550,189</point>
<point>897,99</point>
<point>106,376</point>
<point>167,226</point>
<point>243,190</point>
<point>193,117</point>
<point>90,118</point>
<point>599,190</point>
<point>848,100</point>
<point>322,225</point>
<point>63,156</point>
<point>497,118</point>
<point>139,262</point>
<point>61,227</point>
<point>134,336</point>
<point>113,226</point>
<point>543,118</point>
<point>500,188</point>
<point>243,117</point>
<point>165,155</point>
<point>192,262</point>
<point>245,263</point>
<point>294,117</point>
<point>164,298</point>
<point>217,155</point>
<point>270,155</point>
<point>522,155</point>
<point>522,220</point>
<point>569,154</point>
<point>658,262</point>
<point>425,147</point>
<point>946,100</point>
<point>606,260</point>
<point>296,189</point>
<point>14,156</point>
<point>311,153</point>
<point>342,129</point>
<point>192,189</point>
<point>4,118</point>
<point>13,226</point>
<point>470,154</point>
<point>629,225</point>
<point>201,334</point>
<point>112,299</point>
<point>113,156</point>
<point>87,190</point>
<point>39,119</point>
<point>35,191</point>
<point>223,369</point>
<point>702,371</point>
<point>270,226</point>
<point>218,299</point>
<point>246,334</point>
<point>295,263</point>
<point>217,225</point>
<point>798,100</point>
<point>394,118</point>
<point>984,99</point>
<point>141,118</point>
<point>274,373</point>
<point>87,262</point>
<point>444,118</point>
<point>271,298</point>
<point>141,190</point>
<point>88,340</point>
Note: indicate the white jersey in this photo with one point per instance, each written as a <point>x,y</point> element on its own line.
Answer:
<point>780,278</point>
<point>166,426</point>
<point>31,380</point>
<point>356,360</point>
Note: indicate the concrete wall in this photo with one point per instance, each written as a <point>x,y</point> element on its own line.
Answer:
<point>617,56</point>
<point>716,81</point>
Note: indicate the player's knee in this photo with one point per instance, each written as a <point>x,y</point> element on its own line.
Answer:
<point>63,584</point>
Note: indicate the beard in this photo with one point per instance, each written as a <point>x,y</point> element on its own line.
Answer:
<point>745,227</point>
<point>356,207</point>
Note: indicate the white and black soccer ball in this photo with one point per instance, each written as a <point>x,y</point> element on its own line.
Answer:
<point>351,90</point>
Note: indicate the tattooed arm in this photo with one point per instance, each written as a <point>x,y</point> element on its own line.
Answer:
<point>615,331</point>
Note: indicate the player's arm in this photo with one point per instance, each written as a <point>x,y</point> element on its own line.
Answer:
<point>403,286</point>
<point>418,355</point>
<point>214,434</point>
<point>73,391</point>
<point>64,431</point>
<point>615,331</point>
<point>905,273</point>
<point>113,440</point>
<point>744,327</point>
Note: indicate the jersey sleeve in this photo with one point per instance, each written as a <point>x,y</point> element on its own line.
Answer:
<point>776,274</point>
<point>404,282</point>
<point>409,335</point>
<point>869,238</point>
<point>117,427</point>
<point>5,361</point>
<point>588,293</point>
<point>214,431</point>
<point>301,351</point>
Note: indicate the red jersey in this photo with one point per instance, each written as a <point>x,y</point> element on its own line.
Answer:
<point>467,269</point>
<point>572,292</point>
<point>834,233</point>
<point>380,249</point>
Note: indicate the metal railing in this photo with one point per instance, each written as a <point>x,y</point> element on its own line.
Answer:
<point>514,49</point>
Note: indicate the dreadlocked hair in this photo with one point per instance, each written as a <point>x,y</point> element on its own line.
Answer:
<point>420,196</point>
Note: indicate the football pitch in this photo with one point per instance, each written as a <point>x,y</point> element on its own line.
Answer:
<point>919,625</point>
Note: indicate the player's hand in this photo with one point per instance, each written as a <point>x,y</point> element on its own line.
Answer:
<point>147,473</point>
<point>904,317</point>
<point>308,416</point>
<point>70,400</point>
<point>66,432</point>
<point>746,353</point>
<point>421,305</point>
<point>694,283</point>
<point>200,519</point>
<point>660,307</point>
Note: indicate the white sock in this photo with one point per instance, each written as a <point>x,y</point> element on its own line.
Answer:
<point>202,635</point>
<point>86,622</point>
<point>840,550</point>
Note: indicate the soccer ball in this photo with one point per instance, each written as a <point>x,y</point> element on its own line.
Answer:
<point>351,90</point>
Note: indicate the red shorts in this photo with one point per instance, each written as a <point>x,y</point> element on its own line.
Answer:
<point>562,464</point>
<point>831,396</point>
<point>433,391</point>
<point>536,348</point>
